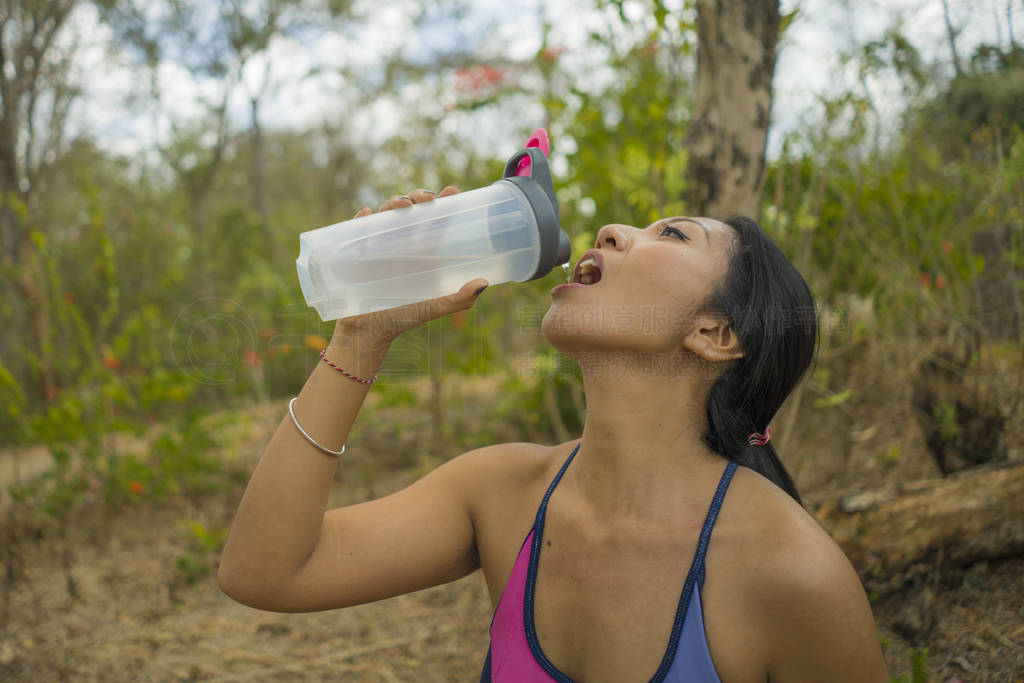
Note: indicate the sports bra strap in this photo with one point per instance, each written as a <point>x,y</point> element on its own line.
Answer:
<point>695,577</point>
<point>709,521</point>
<point>542,510</point>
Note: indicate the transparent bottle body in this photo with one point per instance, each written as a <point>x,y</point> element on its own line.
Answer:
<point>422,252</point>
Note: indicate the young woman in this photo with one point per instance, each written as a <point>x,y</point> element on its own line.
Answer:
<point>648,553</point>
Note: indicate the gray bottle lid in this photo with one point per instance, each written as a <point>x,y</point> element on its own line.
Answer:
<point>555,248</point>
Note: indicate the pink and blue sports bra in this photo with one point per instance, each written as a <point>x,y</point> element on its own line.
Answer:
<point>515,655</point>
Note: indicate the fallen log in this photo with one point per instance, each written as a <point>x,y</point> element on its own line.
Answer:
<point>893,533</point>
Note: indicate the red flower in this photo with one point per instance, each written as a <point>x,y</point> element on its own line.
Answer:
<point>940,282</point>
<point>475,79</point>
<point>550,54</point>
<point>136,487</point>
<point>111,362</point>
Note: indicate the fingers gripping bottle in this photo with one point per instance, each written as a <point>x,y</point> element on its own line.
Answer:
<point>506,232</point>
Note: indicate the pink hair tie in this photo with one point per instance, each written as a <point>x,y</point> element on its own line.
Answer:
<point>757,439</point>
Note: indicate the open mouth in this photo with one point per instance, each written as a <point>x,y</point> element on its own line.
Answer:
<point>588,270</point>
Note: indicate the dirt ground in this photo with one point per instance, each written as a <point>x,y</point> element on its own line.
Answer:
<point>134,620</point>
<point>107,602</point>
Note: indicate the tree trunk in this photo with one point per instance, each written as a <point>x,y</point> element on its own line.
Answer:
<point>257,178</point>
<point>729,129</point>
<point>896,532</point>
<point>32,70</point>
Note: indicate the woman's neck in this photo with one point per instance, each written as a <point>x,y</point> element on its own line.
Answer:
<point>642,445</point>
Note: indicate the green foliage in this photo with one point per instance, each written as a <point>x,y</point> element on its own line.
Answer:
<point>169,287</point>
<point>896,223</point>
<point>945,418</point>
<point>979,106</point>
<point>192,567</point>
<point>205,543</point>
<point>891,454</point>
<point>113,380</point>
<point>918,663</point>
<point>833,399</point>
<point>629,161</point>
<point>13,398</point>
<point>918,666</point>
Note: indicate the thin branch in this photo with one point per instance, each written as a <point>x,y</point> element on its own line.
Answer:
<point>1009,23</point>
<point>30,133</point>
<point>998,25</point>
<point>952,38</point>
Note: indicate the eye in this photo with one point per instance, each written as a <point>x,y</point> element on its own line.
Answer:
<point>675,231</point>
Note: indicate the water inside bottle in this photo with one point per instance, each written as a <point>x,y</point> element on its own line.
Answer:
<point>413,272</point>
<point>373,284</point>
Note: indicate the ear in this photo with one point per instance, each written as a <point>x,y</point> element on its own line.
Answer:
<point>714,339</point>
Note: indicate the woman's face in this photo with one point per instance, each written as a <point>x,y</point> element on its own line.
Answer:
<point>653,283</point>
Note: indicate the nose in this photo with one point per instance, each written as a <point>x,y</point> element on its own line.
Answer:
<point>613,236</point>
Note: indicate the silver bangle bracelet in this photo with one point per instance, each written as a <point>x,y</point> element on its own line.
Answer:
<point>308,437</point>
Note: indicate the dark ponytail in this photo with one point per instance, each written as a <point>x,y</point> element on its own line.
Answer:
<point>773,313</point>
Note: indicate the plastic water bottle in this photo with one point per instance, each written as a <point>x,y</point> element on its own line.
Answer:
<point>506,232</point>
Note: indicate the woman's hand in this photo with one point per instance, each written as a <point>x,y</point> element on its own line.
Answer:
<point>383,326</point>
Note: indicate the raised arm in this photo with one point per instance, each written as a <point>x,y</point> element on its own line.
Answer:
<point>284,553</point>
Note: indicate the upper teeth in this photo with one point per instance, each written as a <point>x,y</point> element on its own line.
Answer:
<point>587,267</point>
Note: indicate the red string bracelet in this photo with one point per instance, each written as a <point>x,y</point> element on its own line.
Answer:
<point>758,439</point>
<point>347,374</point>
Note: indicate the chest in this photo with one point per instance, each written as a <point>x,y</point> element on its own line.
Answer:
<point>605,603</point>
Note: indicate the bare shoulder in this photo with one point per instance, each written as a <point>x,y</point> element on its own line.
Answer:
<point>497,478</point>
<point>805,595</point>
<point>777,528</point>
<point>504,484</point>
<point>505,456</point>
<point>506,471</point>
<point>504,463</point>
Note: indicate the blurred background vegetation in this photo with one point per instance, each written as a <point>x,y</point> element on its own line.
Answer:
<point>147,279</point>
<point>143,290</point>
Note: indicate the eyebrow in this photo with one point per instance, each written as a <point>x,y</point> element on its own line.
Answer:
<point>677,219</point>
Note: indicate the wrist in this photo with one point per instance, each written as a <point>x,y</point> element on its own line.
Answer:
<point>349,332</point>
<point>356,352</point>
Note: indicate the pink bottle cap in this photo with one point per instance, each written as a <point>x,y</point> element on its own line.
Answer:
<point>538,139</point>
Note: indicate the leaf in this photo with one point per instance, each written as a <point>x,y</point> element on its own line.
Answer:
<point>919,665</point>
<point>833,400</point>
<point>787,19</point>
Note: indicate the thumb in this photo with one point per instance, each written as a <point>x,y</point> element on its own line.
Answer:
<point>467,295</point>
<point>410,315</point>
<point>459,301</point>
